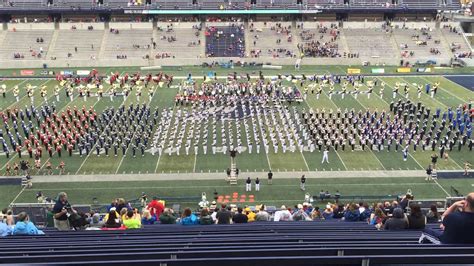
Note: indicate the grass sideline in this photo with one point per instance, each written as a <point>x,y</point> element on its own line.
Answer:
<point>283,191</point>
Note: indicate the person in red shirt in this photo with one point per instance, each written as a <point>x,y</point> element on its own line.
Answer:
<point>155,207</point>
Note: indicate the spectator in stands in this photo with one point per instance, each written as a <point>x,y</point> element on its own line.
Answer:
<point>433,215</point>
<point>206,218</point>
<point>123,214</point>
<point>95,221</point>
<point>223,216</point>
<point>121,203</point>
<point>351,214</point>
<point>133,220</point>
<point>155,207</point>
<point>113,220</point>
<point>339,212</point>
<point>24,226</point>
<point>300,214</point>
<point>167,217</point>
<point>397,222</point>
<point>377,218</point>
<point>316,214</point>
<point>7,216</point>
<point>189,218</point>
<point>328,213</point>
<point>113,209</point>
<point>60,210</point>
<point>4,228</point>
<point>282,215</point>
<point>250,215</point>
<point>262,215</point>
<point>416,219</point>
<point>404,201</point>
<point>239,217</point>
<point>147,218</point>
<point>457,226</point>
<point>364,211</point>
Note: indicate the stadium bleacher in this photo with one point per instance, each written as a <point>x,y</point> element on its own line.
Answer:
<point>281,243</point>
<point>25,44</point>
<point>238,4</point>
<point>225,41</point>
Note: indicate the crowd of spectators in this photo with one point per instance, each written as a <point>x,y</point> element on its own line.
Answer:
<point>320,44</point>
<point>457,222</point>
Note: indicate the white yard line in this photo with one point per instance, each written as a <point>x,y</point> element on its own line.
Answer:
<point>64,107</point>
<point>358,135</point>
<point>410,154</point>
<point>126,150</point>
<point>14,154</point>
<point>340,159</point>
<point>21,99</point>
<point>92,148</point>
<point>442,188</point>
<point>195,160</point>
<point>17,196</point>
<point>226,186</point>
<point>452,94</point>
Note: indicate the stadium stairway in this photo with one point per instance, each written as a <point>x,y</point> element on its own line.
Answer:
<point>282,243</point>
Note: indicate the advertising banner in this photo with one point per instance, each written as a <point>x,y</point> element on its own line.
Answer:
<point>27,72</point>
<point>353,71</point>
<point>378,70</point>
<point>83,72</point>
<point>403,70</point>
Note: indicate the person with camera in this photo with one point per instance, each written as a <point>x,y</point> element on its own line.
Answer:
<point>457,224</point>
<point>62,210</point>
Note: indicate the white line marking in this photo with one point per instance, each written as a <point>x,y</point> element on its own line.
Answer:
<point>13,201</point>
<point>226,186</point>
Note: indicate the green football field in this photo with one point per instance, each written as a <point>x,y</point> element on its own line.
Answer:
<point>282,191</point>
<point>450,94</point>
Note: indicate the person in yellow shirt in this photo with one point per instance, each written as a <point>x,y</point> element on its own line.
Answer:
<point>250,215</point>
<point>132,222</point>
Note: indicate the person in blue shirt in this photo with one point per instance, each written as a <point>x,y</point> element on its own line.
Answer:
<point>24,226</point>
<point>352,213</point>
<point>5,229</point>
<point>189,218</point>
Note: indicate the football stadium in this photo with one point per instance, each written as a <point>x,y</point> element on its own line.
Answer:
<point>210,132</point>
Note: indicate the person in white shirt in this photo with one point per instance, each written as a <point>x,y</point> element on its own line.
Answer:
<point>282,215</point>
<point>325,155</point>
